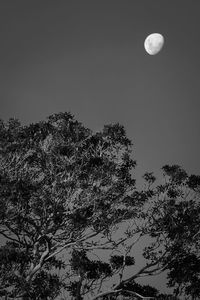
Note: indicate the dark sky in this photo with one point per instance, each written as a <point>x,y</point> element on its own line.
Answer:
<point>87,57</point>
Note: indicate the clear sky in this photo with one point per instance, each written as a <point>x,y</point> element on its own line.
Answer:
<point>87,57</point>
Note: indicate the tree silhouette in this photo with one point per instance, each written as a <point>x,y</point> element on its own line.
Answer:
<point>68,191</point>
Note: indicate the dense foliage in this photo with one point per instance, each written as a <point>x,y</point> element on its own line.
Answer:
<point>71,215</point>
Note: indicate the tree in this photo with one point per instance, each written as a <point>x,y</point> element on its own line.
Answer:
<point>171,217</point>
<point>66,190</point>
<point>134,289</point>
<point>174,219</point>
<point>57,180</point>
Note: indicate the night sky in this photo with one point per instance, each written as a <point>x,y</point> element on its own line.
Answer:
<point>87,57</point>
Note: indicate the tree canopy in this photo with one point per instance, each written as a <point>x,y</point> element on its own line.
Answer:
<point>71,215</point>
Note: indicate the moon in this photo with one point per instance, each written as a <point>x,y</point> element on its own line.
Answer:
<point>154,43</point>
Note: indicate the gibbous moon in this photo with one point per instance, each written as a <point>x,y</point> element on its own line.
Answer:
<point>154,43</point>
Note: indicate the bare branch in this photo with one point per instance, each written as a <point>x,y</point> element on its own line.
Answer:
<point>41,262</point>
<point>119,291</point>
<point>12,239</point>
<point>141,272</point>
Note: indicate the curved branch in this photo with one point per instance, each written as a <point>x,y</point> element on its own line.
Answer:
<point>119,291</point>
<point>144,272</point>
<point>41,262</point>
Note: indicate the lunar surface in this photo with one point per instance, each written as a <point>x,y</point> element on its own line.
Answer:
<point>154,43</point>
